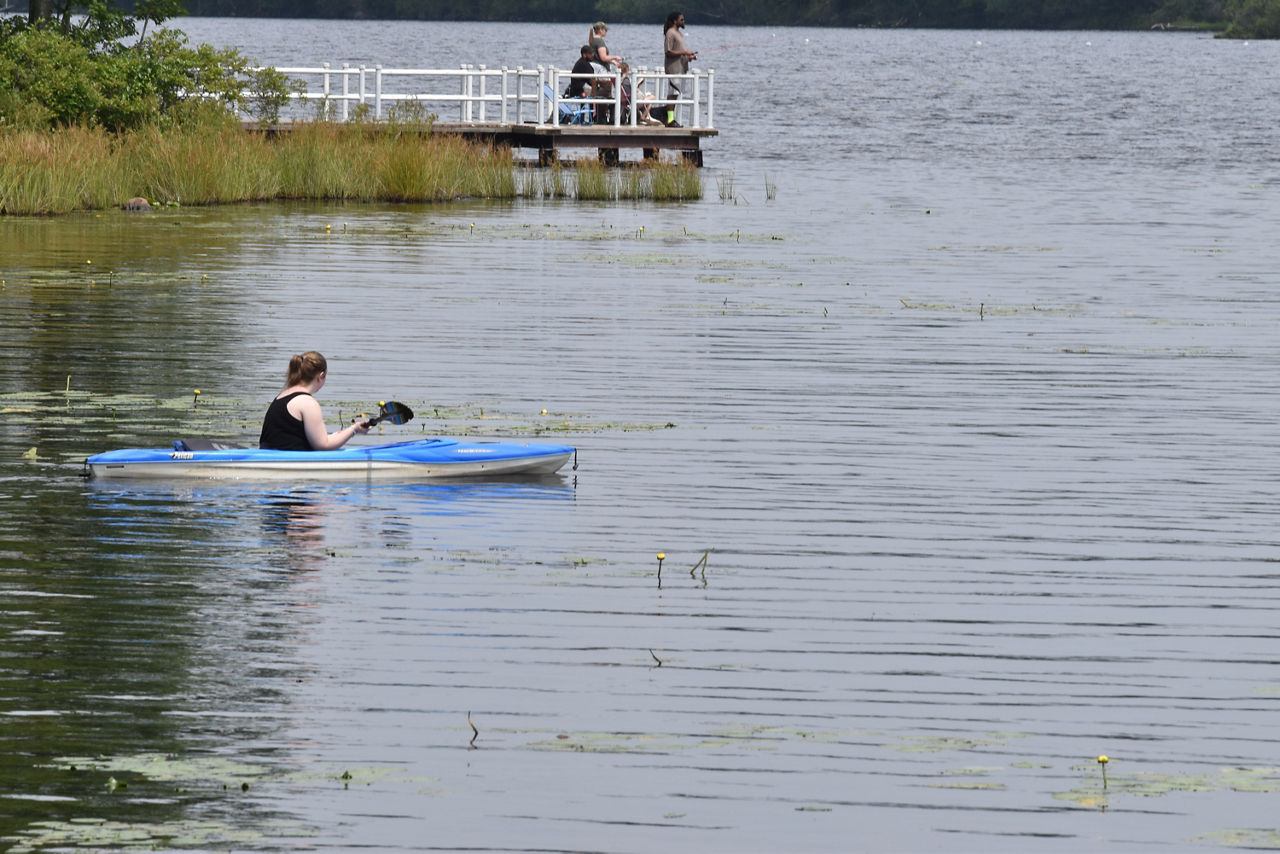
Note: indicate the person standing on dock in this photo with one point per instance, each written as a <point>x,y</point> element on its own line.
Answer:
<point>677,60</point>
<point>598,30</point>
<point>603,87</point>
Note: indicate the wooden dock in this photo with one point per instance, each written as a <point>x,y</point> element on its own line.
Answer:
<point>508,107</point>
<point>609,140</point>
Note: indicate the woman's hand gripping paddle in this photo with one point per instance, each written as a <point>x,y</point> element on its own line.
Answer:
<point>393,412</point>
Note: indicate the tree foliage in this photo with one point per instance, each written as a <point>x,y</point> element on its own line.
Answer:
<point>995,14</point>
<point>1253,19</point>
<point>90,70</point>
<point>1253,16</point>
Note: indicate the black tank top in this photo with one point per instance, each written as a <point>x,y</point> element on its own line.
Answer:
<point>280,430</point>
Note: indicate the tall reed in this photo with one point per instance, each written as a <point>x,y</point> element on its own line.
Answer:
<point>84,169</point>
<point>208,165</point>
<point>320,160</point>
<point>593,184</point>
<point>548,183</point>
<point>57,172</point>
<point>417,167</point>
<point>675,182</point>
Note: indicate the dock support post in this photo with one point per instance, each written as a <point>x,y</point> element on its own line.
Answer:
<point>543,110</point>
<point>346,89</point>
<point>506,93</point>
<point>324,102</point>
<point>465,104</point>
<point>711,97</point>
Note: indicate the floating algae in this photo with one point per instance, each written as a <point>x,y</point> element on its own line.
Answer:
<point>1154,785</point>
<point>162,767</point>
<point>127,836</point>
<point>744,737</point>
<point>364,775</point>
<point>942,743</point>
<point>1242,838</point>
<point>615,742</point>
<point>974,785</point>
<point>122,775</point>
<point>208,773</point>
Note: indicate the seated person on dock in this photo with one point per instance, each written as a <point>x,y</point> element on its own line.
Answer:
<point>593,87</point>
<point>642,108</point>
<point>584,65</point>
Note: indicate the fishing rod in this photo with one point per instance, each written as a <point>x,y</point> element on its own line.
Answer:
<point>733,46</point>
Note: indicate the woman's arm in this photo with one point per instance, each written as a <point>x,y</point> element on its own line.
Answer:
<point>607,58</point>
<point>318,435</point>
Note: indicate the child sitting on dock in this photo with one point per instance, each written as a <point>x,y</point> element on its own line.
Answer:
<point>642,108</point>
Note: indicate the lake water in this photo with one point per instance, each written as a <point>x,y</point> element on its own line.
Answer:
<point>960,376</point>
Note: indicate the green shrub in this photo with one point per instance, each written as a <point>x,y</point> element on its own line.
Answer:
<point>45,75</point>
<point>1253,19</point>
<point>85,75</point>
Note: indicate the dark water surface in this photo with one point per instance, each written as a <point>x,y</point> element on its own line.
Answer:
<point>961,375</point>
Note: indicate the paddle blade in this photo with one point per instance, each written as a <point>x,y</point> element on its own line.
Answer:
<point>394,412</point>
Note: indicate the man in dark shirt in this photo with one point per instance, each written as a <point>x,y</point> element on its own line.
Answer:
<point>584,65</point>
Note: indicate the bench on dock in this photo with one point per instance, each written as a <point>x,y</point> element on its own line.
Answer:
<point>516,107</point>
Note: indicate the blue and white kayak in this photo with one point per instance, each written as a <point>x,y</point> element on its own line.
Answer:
<point>421,459</point>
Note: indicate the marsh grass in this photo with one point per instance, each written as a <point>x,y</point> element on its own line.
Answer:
<point>212,165</point>
<point>89,169</point>
<point>57,172</point>
<point>593,181</point>
<point>548,183</point>
<point>319,161</point>
<point>675,182</point>
<point>724,187</point>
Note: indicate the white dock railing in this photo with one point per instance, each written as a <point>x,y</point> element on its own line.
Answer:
<point>476,94</point>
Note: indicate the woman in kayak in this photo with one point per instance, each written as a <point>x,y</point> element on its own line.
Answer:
<point>294,421</point>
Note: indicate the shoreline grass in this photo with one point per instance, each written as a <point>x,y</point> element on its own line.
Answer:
<point>73,169</point>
